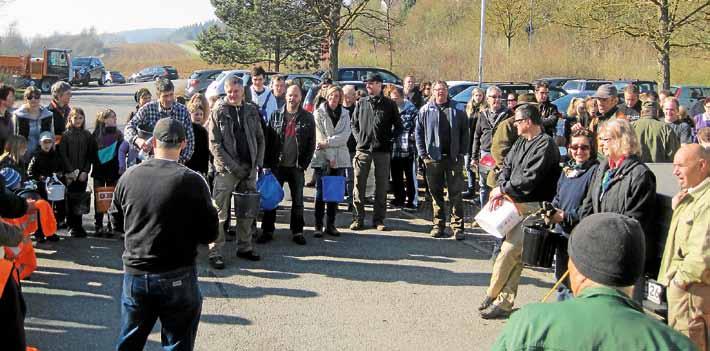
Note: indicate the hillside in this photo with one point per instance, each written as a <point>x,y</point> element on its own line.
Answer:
<point>130,58</point>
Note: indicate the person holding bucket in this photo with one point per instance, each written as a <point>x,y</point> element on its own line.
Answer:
<point>332,156</point>
<point>291,140</point>
<point>442,140</point>
<point>44,166</point>
<point>237,145</point>
<point>106,168</point>
<point>528,176</point>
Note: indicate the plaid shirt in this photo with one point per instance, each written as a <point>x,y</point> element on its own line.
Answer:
<point>142,124</point>
<point>403,145</point>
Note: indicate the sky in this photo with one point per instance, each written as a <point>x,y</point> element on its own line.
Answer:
<point>44,17</point>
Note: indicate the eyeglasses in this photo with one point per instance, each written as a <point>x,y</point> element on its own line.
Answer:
<point>516,121</point>
<point>604,139</point>
<point>495,97</point>
<point>579,147</point>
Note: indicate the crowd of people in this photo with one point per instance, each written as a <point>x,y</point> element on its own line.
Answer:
<point>174,168</point>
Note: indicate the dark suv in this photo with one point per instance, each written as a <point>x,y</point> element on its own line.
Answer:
<point>154,73</point>
<point>359,73</point>
<point>88,69</point>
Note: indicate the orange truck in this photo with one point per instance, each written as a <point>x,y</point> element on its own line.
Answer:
<point>42,72</point>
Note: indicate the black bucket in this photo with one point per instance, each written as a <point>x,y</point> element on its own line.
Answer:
<point>246,205</point>
<point>538,245</point>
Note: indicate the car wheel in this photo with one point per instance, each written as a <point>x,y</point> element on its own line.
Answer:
<point>46,85</point>
<point>101,81</point>
<point>85,82</point>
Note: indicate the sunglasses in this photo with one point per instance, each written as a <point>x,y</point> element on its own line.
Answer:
<point>34,96</point>
<point>580,147</point>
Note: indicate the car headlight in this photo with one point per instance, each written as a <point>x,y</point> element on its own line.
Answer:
<point>82,71</point>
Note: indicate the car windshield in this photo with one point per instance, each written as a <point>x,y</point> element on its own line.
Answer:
<point>81,61</point>
<point>465,95</point>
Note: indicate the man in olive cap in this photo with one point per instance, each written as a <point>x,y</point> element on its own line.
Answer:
<point>606,258</point>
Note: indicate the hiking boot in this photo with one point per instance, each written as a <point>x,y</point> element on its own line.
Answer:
<point>264,237</point>
<point>216,262</point>
<point>299,239</point>
<point>357,225</point>
<point>437,232</point>
<point>495,312</point>
<point>487,302</point>
<point>459,235</point>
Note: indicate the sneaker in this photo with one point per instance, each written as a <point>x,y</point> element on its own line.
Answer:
<point>487,302</point>
<point>380,226</point>
<point>495,313</point>
<point>299,239</point>
<point>318,233</point>
<point>264,237</point>
<point>216,262</point>
<point>77,233</point>
<point>459,235</point>
<point>357,225</point>
<point>53,238</point>
<point>249,255</point>
<point>332,231</point>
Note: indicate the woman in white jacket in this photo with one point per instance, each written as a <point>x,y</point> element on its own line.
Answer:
<point>332,156</point>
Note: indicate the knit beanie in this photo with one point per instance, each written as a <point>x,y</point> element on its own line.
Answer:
<point>11,177</point>
<point>609,249</point>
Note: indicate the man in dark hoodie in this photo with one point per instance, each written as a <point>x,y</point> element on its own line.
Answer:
<point>374,122</point>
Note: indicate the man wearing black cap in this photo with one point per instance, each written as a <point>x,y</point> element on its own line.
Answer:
<point>528,176</point>
<point>165,211</point>
<point>374,122</point>
<point>606,257</point>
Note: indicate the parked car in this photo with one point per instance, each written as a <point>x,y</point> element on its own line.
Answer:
<point>457,86</point>
<point>359,73</point>
<point>554,81</point>
<point>643,85</point>
<point>199,81</point>
<point>462,98</point>
<point>87,69</point>
<point>114,77</point>
<point>688,95</point>
<point>582,85</point>
<point>153,73</point>
<point>304,81</point>
<point>172,72</point>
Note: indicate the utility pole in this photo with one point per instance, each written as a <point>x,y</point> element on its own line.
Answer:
<point>530,28</point>
<point>480,48</point>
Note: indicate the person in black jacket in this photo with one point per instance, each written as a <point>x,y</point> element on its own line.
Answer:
<point>199,110</point>
<point>547,109</point>
<point>78,151</point>
<point>528,176</point>
<point>163,222</point>
<point>374,123</point>
<point>106,170</point>
<point>45,163</point>
<point>290,141</point>
<point>623,184</point>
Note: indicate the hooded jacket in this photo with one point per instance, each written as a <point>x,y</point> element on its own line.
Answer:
<point>22,121</point>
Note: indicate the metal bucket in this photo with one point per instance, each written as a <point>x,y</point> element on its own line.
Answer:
<point>247,205</point>
<point>55,190</point>
<point>538,245</point>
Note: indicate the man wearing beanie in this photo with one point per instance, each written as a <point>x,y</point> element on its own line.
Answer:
<point>528,176</point>
<point>685,268</point>
<point>163,223</point>
<point>658,141</point>
<point>606,257</point>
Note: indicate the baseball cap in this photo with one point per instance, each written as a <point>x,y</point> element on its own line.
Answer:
<point>169,130</point>
<point>46,136</point>
<point>373,77</point>
<point>605,91</point>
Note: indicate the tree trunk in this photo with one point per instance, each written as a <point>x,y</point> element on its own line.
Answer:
<point>664,61</point>
<point>334,41</point>
<point>664,55</point>
<point>509,42</point>
<point>277,55</point>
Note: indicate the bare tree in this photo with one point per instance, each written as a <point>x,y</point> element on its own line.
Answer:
<point>508,17</point>
<point>674,25</point>
<point>338,16</point>
<point>392,20</point>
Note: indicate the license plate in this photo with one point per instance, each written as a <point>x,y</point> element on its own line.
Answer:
<point>654,292</point>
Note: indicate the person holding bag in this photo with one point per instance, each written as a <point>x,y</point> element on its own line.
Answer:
<point>332,156</point>
<point>106,169</point>
<point>77,151</point>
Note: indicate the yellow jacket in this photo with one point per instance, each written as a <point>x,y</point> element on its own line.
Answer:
<point>687,253</point>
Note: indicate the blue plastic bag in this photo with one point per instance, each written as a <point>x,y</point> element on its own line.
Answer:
<point>333,188</point>
<point>271,192</point>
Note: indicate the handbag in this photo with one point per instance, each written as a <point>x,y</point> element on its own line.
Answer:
<point>79,203</point>
<point>333,188</point>
<point>271,192</point>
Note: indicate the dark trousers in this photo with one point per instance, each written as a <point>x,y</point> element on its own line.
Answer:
<point>362,164</point>
<point>561,256</point>
<point>74,220</point>
<point>99,217</point>
<point>295,178</point>
<point>12,316</point>
<point>173,296</point>
<point>332,207</point>
<point>402,170</point>
<point>447,174</point>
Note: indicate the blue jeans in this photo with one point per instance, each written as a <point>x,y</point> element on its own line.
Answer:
<point>173,296</point>
<point>483,189</point>
<point>470,178</point>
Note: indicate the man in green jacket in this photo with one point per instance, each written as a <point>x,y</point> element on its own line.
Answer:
<point>658,141</point>
<point>685,268</point>
<point>606,257</point>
